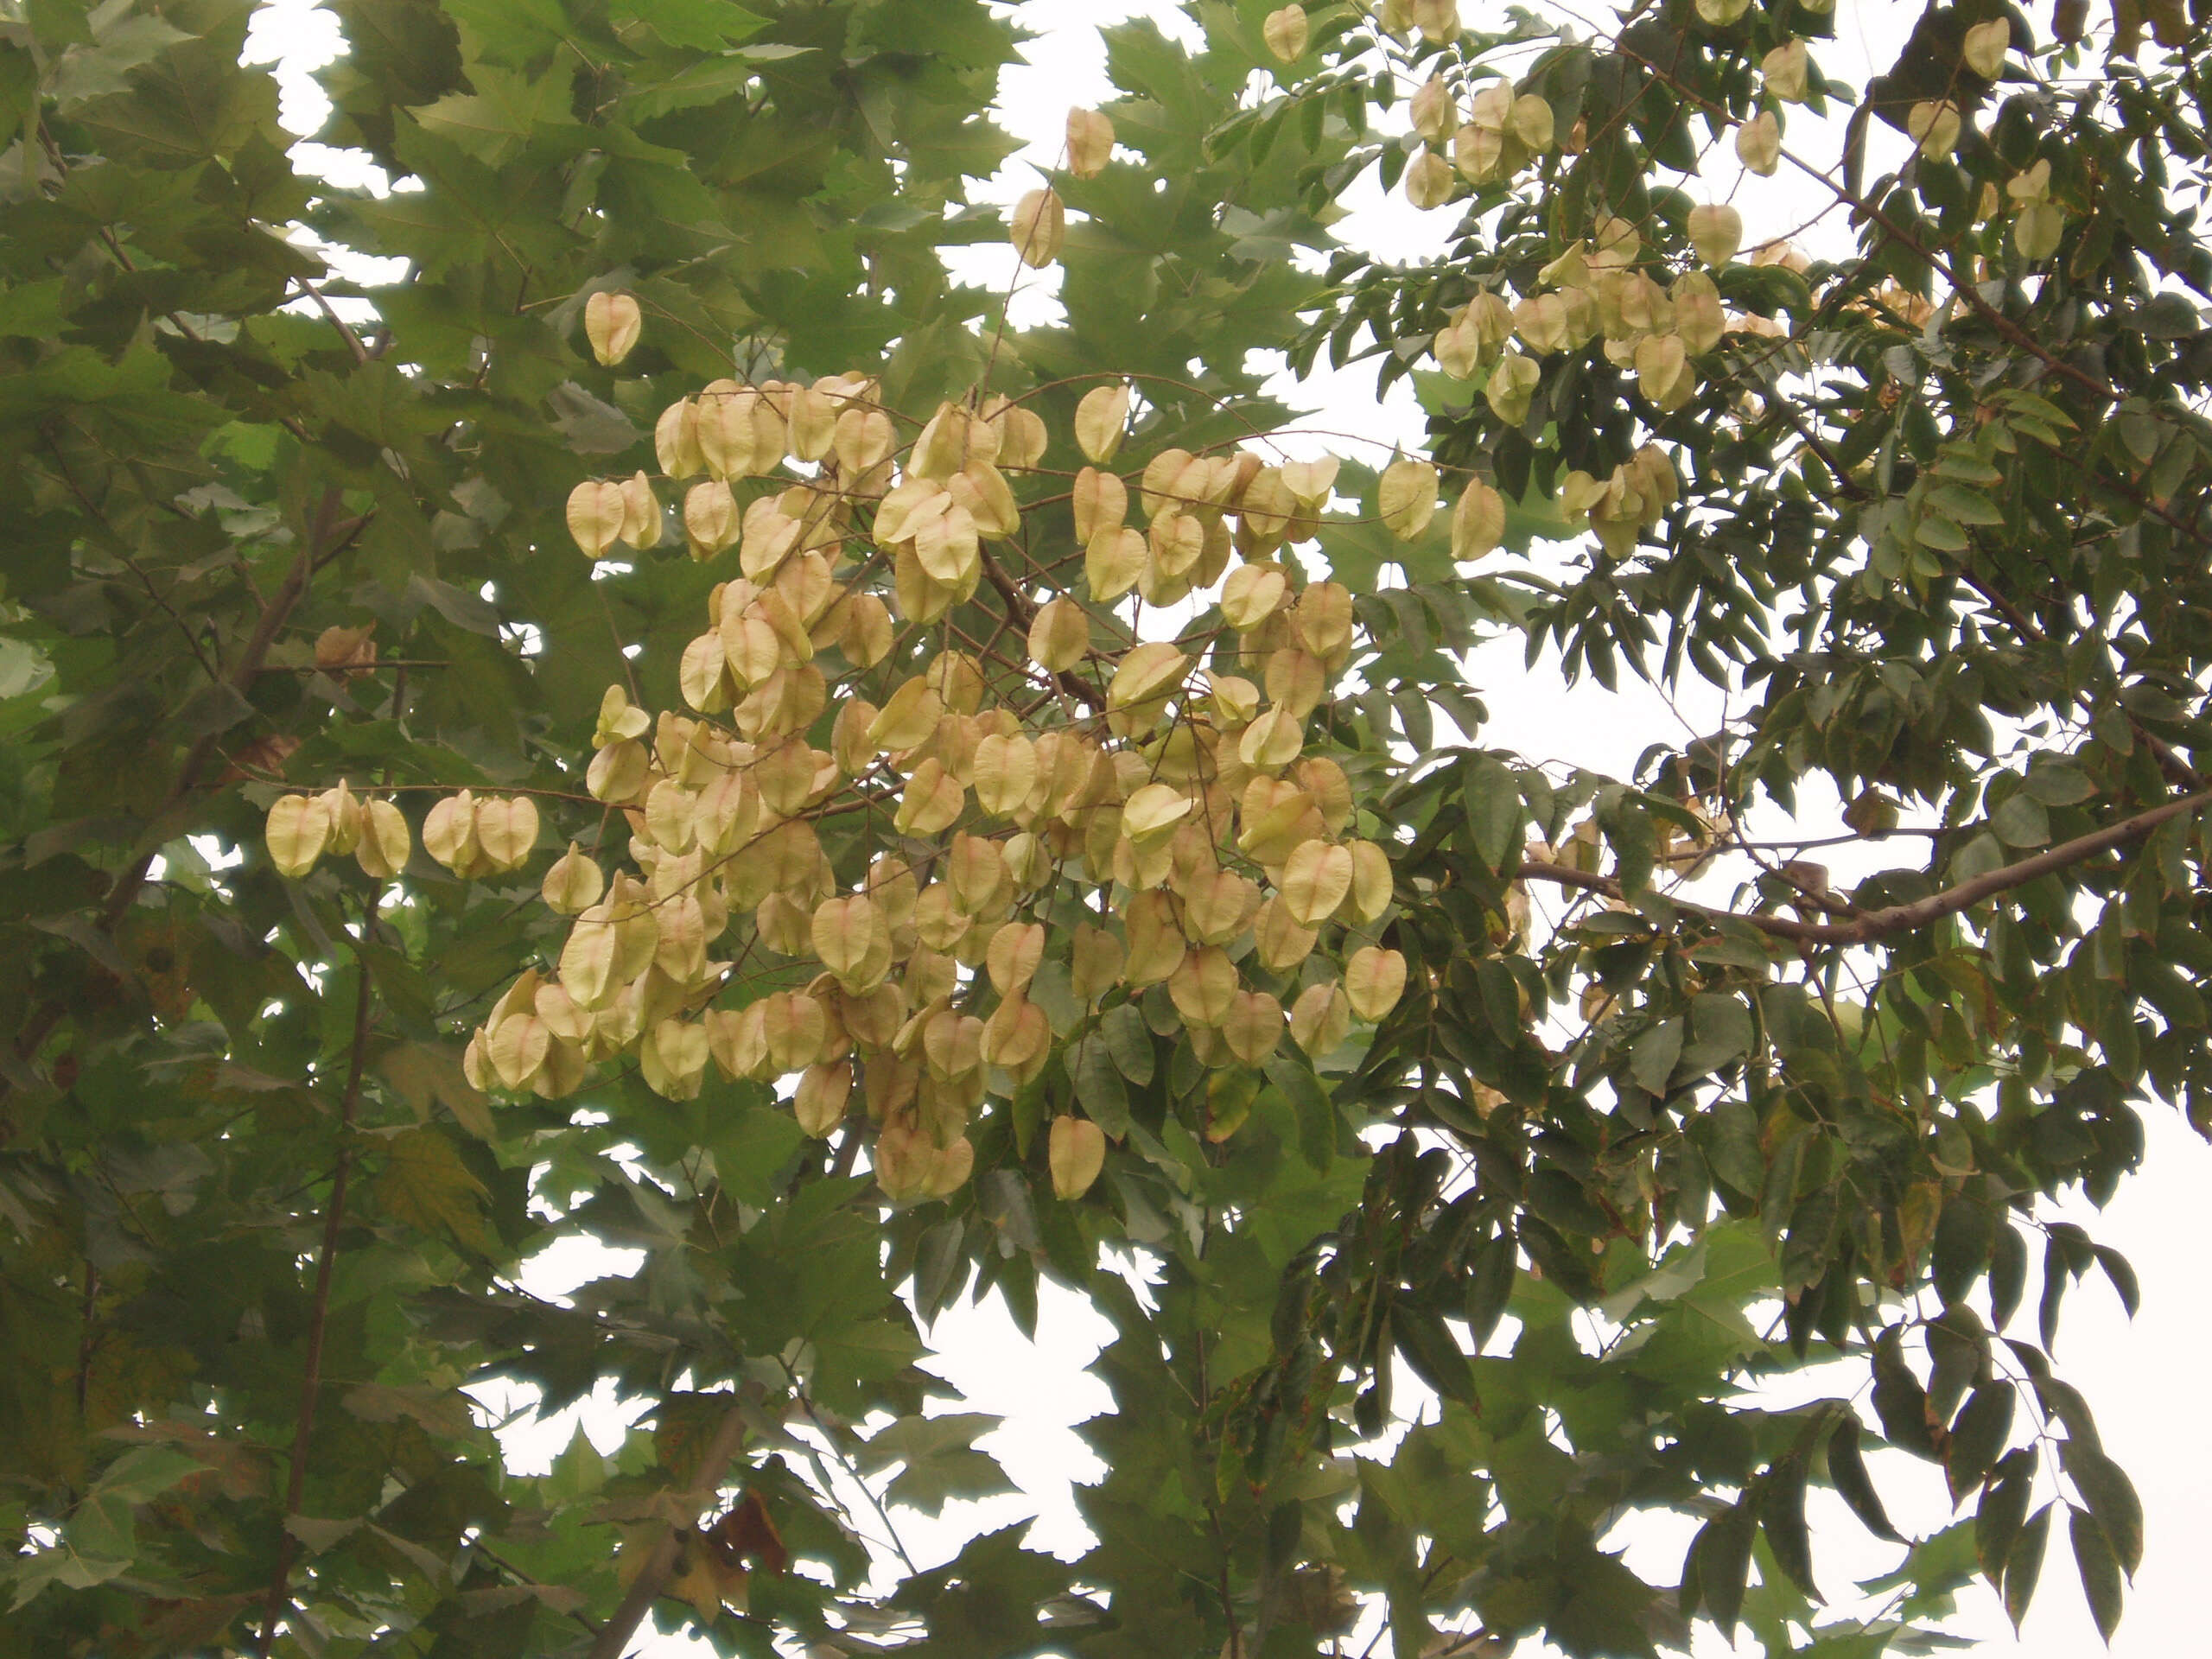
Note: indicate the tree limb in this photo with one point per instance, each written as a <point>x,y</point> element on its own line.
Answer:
<point>1872,925</point>
<point>614,1638</point>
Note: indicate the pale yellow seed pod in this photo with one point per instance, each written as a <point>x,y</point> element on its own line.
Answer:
<point>1407,496</point>
<point>1986,46</point>
<point>1716,231</point>
<point>1374,981</point>
<point>1935,127</point>
<point>1253,1026</point>
<point>596,513</point>
<point>675,440</point>
<point>819,1101</point>
<point>1097,962</point>
<point>449,833</point>
<point>1371,882</point>
<point>1315,879</point>
<point>1100,501</point>
<point>386,844</point>
<point>1428,180</point>
<point>1059,635</point>
<point>1511,390</point>
<point>1437,20</point>
<point>1785,69</point>
<point>1091,143</point>
<point>1038,227</point>
<point>1287,32</point>
<point>1320,1019</point>
<point>1721,13</point>
<point>1101,420</point>
<point>297,832</point>
<point>1076,1151</point>
<point>710,517</point>
<point>1478,522</point>
<point>640,512</point>
<point>1533,122</point>
<point>1758,144</point>
<point>506,829</point>
<point>1699,318</point>
<point>573,883</point>
<point>612,323</point>
<point>345,817</point>
<point>1435,114</point>
<point>1112,561</point>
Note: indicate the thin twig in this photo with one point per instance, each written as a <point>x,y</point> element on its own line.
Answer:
<point>1872,925</point>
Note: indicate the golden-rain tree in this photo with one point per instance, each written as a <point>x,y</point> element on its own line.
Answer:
<point>673,723</point>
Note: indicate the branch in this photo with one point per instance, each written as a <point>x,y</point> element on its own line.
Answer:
<point>319,1319</point>
<point>1876,924</point>
<point>653,1578</point>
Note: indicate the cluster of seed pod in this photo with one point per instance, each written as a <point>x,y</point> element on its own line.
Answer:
<point>1105,819</point>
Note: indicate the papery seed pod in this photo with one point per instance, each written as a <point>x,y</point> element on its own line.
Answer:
<point>1315,879</point>
<point>641,515</point>
<point>573,883</point>
<point>1091,143</point>
<point>1511,390</point>
<point>1934,126</point>
<point>1038,227</point>
<point>1758,144</point>
<point>1478,522</point>
<point>1721,13</point>
<point>345,817</point>
<point>386,844</point>
<point>297,832</point>
<point>818,1103</point>
<point>1101,420</point>
<point>1287,32</point>
<point>1429,180</point>
<point>1785,69</point>
<point>1059,634</point>
<point>1374,981</point>
<point>449,833</point>
<point>1253,594</point>
<point>1986,46</point>
<point>596,513</point>
<point>1699,318</point>
<point>1406,495</point>
<point>1076,1153</point>
<point>1437,20</point>
<point>1716,231</point>
<point>675,440</point>
<point>1435,114</point>
<point>1533,122</point>
<point>1320,1019</point>
<point>1253,1026</point>
<point>1311,481</point>
<point>506,829</point>
<point>612,321</point>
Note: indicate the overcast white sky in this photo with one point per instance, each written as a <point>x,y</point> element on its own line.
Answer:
<point>2145,1379</point>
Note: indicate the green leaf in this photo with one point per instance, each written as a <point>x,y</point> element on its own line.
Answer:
<point>2093,1560</point>
<point>2023,1565</point>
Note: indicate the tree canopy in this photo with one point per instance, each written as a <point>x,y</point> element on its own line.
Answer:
<point>599,693</point>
